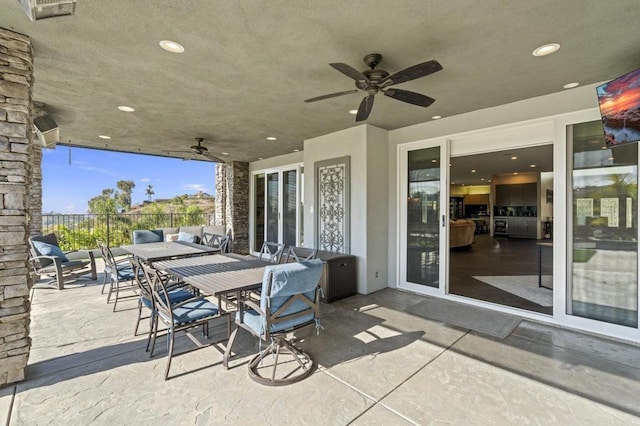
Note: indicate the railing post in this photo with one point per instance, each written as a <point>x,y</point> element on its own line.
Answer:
<point>108,238</point>
<point>171,219</point>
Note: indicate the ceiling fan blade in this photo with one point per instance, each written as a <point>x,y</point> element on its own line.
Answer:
<point>365,108</point>
<point>411,73</point>
<point>349,71</point>
<point>409,97</point>
<point>213,158</point>
<point>331,95</point>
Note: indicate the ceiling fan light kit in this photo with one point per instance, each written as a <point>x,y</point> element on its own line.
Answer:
<point>374,81</point>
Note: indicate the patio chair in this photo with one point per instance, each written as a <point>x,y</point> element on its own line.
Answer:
<point>271,252</point>
<point>177,293</point>
<point>46,258</point>
<point>182,316</point>
<point>289,300</point>
<point>122,276</point>
<point>123,263</point>
<point>297,254</point>
<point>216,241</point>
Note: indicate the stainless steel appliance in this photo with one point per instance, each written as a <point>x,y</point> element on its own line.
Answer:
<point>501,227</point>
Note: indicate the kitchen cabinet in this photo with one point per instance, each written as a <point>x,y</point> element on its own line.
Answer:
<point>523,227</point>
<point>519,194</point>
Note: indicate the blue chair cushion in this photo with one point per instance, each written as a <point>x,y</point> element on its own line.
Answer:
<point>192,311</point>
<point>144,236</point>
<point>46,249</point>
<point>255,321</point>
<point>175,296</point>
<point>187,237</point>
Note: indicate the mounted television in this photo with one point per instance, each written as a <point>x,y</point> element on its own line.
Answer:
<point>619,102</point>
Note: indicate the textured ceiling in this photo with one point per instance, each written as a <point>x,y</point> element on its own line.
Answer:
<point>248,65</point>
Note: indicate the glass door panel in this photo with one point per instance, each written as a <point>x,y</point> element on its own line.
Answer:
<point>604,246</point>
<point>423,212</point>
<point>258,202</point>
<point>289,207</point>
<point>272,200</point>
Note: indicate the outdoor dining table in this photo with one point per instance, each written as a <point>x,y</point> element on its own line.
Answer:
<point>153,252</point>
<point>224,276</point>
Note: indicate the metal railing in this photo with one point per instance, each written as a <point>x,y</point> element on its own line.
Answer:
<point>81,231</point>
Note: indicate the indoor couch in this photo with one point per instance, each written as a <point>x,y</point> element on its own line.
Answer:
<point>461,233</point>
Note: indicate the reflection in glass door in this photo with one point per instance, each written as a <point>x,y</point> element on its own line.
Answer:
<point>423,211</point>
<point>604,251</point>
<point>289,207</point>
<point>272,200</point>
<point>258,211</point>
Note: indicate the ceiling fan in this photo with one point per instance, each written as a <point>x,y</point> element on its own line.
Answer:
<point>199,149</point>
<point>373,81</point>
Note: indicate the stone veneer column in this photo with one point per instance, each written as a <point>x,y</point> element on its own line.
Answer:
<point>237,204</point>
<point>16,77</point>
<point>220,213</point>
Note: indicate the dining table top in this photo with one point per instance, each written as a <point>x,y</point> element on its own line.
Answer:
<point>153,252</point>
<point>218,274</point>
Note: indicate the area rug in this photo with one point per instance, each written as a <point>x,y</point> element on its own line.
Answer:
<point>486,321</point>
<point>525,286</point>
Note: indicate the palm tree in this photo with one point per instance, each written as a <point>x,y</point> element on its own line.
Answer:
<point>150,192</point>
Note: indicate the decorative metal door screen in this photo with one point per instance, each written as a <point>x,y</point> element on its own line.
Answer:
<point>332,205</point>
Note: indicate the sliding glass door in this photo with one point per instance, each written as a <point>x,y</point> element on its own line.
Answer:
<point>277,206</point>
<point>422,218</point>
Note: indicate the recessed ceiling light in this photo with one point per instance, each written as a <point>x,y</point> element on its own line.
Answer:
<point>532,165</point>
<point>104,137</point>
<point>260,158</point>
<point>546,49</point>
<point>610,158</point>
<point>473,170</point>
<point>481,178</point>
<point>434,161</point>
<point>353,111</point>
<point>513,157</point>
<point>224,153</point>
<point>296,150</point>
<point>436,117</point>
<point>571,85</point>
<point>271,138</point>
<point>126,108</point>
<point>171,46</point>
<point>604,147</point>
<point>515,173</point>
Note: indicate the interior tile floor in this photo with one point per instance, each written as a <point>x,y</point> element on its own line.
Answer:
<point>377,364</point>
<point>498,256</point>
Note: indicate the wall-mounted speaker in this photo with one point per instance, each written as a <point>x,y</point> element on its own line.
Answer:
<point>46,130</point>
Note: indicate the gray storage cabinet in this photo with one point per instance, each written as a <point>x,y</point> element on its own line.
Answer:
<point>339,277</point>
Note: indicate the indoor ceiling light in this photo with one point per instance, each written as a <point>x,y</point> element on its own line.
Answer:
<point>125,108</point>
<point>571,85</point>
<point>271,138</point>
<point>296,150</point>
<point>436,117</point>
<point>171,46</point>
<point>224,153</point>
<point>473,170</point>
<point>434,161</point>
<point>515,173</point>
<point>532,165</point>
<point>104,137</point>
<point>353,111</point>
<point>260,158</point>
<point>514,157</point>
<point>546,49</point>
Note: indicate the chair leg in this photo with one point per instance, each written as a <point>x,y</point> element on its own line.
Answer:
<point>110,290</point>
<point>115,302</point>
<point>227,350</point>
<point>152,323</point>
<point>171,341</point>
<point>104,282</point>
<point>155,334</point>
<point>135,331</point>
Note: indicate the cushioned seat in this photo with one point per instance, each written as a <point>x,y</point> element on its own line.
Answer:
<point>461,233</point>
<point>144,236</point>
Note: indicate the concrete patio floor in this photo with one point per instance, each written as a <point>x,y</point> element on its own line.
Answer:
<point>377,364</point>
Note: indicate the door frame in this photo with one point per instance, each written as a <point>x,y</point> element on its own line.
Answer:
<point>252,191</point>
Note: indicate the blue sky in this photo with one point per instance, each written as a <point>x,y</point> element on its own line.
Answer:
<point>66,188</point>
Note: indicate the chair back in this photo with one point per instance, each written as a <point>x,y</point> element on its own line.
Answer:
<point>216,241</point>
<point>107,256</point>
<point>298,254</point>
<point>290,296</point>
<point>144,236</point>
<point>157,283</point>
<point>142,279</point>
<point>271,252</point>
<point>49,239</point>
